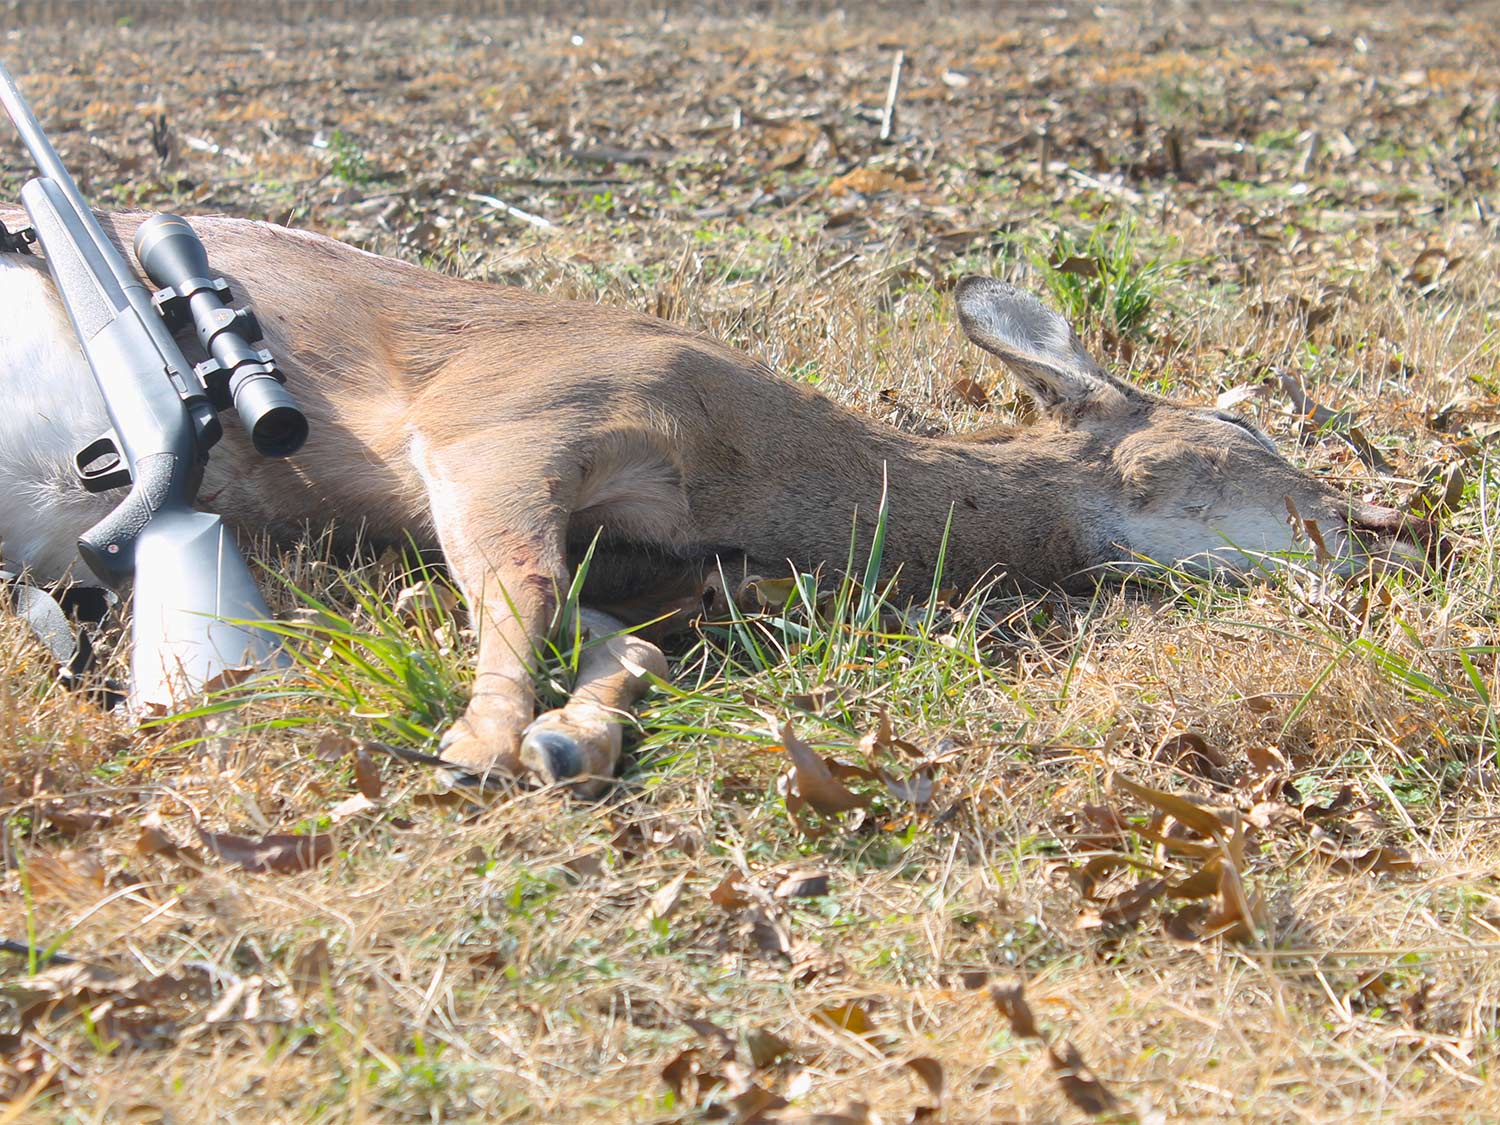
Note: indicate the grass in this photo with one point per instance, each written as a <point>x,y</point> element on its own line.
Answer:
<point>457,957</point>
<point>1105,280</point>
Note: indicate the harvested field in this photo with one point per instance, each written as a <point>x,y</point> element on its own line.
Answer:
<point>1174,851</point>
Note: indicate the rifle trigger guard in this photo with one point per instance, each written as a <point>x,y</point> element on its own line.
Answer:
<point>16,241</point>
<point>100,465</point>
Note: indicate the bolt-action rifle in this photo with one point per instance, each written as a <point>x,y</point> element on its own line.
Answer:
<point>194,599</point>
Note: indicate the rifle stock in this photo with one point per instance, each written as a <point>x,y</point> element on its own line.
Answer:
<point>194,598</point>
<point>193,594</point>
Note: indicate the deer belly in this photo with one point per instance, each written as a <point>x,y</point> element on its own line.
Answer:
<point>49,409</point>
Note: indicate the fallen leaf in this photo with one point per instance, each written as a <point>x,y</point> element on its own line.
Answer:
<point>1130,906</point>
<point>882,740</point>
<point>1269,775</point>
<point>353,806</point>
<point>367,774</point>
<point>802,884</point>
<point>70,877</point>
<point>812,780</point>
<point>930,1071</point>
<point>1077,265</point>
<point>1190,752</point>
<point>766,1047</point>
<point>1207,820</point>
<point>770,932</point>
<point>1099,868</point>
<point>1342,801</point>
<point>139,1012</point>
<point>753,1101</point>
<point>1185,926</point>
<point>1317,417</point>
<point>1380,860</point>
<point>851,1113</point>
<point>426,599</point>
<point>787,159</point>
<point>1011,1002</point>
<point>664,903</point>
<point>333,745</point>
<point>1231,397</point>
<point>757,593</point>
<point>1304,405</point>
<point>715,1036</point>
<point>820,698</point>
<point>915,789</point>
<point>729,894</point>
<point>312,969</point>
<point>1430,265</point>
<point>1079,1084</point>
<point>1094,827</point>
<point>1236,915</point>
<point>75,822</point>
<point>273,854</point>
<point>851,1017</point>
<point>1203,883</point>
<point>686,1075</point>
<point>154,839</point>
<point>25,1073</point>
<point>1441,491</point>
<point>970,393</point>
<point>868,181</point>
<point>1266,759</point>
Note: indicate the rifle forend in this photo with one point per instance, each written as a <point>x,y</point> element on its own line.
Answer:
<point>194,597</point>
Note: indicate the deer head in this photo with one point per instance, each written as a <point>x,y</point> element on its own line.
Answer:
<point>1175,484</point>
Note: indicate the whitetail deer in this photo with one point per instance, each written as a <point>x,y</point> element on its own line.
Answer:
<point>511,429</point>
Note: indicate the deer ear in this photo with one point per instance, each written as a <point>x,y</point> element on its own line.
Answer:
<point>1038,345</point>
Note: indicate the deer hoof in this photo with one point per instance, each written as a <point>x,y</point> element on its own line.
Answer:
<point>571,747</point>
<point>552,755</point>
<point>482,750</point>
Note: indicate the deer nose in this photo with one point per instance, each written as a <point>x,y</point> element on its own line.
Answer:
<point>1385,528</point>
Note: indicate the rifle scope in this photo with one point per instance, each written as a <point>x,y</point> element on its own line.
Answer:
<point>235,373</point>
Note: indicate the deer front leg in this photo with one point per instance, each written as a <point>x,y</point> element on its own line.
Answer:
<point>502,535</point>
<point>581,739</point>
<point>516,601</point>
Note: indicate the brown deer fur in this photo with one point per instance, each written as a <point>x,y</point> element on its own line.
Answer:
<point>509,429</point>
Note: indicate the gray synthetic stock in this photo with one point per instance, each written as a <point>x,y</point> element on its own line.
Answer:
<point>193,592</point>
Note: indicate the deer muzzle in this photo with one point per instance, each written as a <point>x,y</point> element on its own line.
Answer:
<point>1397,536</point>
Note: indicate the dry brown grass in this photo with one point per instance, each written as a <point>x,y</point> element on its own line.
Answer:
<point>537,959</point>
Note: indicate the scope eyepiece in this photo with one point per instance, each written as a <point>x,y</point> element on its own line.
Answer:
<point>276,426</point>
<point>235,374</point>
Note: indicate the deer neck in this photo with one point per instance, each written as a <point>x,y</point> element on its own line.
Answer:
<point>1028,507</point>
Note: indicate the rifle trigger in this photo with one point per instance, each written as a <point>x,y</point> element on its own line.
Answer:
<point>100,465</point>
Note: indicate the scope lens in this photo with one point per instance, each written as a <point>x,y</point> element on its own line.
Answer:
<point>280,431</point>
<point>275,425</point>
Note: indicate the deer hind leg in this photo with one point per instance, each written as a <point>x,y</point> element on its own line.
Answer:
<point>581,739</point>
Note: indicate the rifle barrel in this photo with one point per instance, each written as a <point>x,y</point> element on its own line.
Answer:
<point>51,167</point>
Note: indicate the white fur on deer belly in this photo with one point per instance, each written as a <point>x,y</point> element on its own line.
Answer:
<point>49,409</point>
